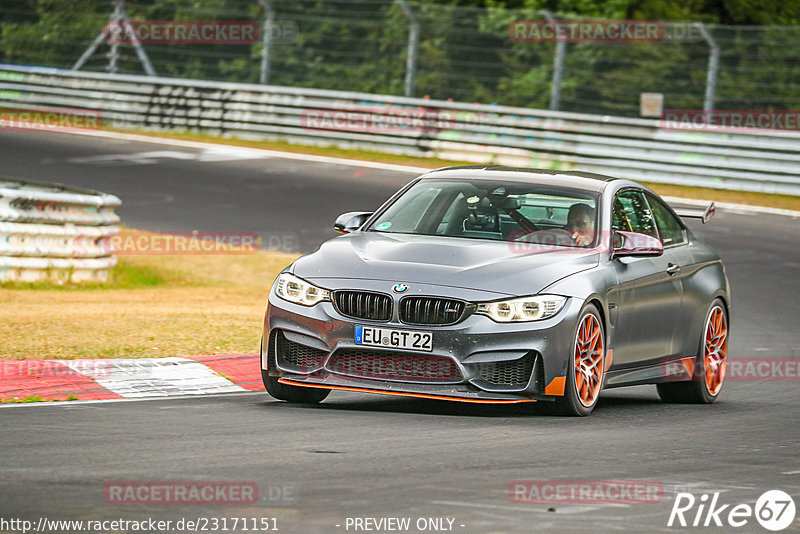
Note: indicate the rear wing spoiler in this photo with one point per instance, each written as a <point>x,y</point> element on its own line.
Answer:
<point>696,213</point>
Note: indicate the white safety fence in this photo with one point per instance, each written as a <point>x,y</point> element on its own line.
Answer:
<point>54,232</point>
<point>640,149</point>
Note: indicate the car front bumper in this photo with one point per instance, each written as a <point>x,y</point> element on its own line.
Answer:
<point>487,361</point>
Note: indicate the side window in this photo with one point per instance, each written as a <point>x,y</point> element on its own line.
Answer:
<point>669,227</point>
<point>632,214</point>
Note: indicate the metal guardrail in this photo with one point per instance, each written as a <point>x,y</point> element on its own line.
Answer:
<point>640,149</point>
<point>54,232</point>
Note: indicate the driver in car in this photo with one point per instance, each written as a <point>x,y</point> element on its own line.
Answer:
<point>580,224</point>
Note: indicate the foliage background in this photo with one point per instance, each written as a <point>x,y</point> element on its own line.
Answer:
<point>465,52</point>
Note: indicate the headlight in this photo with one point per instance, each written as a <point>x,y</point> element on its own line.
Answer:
<point>294,289</point>
<point>522,309</point>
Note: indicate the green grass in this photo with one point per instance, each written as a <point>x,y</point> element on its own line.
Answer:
<point>34,398</point>
<point>123,275</point>
<point>153,306</point>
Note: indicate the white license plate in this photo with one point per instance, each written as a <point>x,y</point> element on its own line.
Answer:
<point>396,339</point>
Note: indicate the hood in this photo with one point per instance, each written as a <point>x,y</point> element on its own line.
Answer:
<point>496,266</point>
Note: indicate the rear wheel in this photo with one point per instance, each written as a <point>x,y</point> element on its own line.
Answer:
<point>585,374</point>
<point>284,392</point>
<point>710,363</point>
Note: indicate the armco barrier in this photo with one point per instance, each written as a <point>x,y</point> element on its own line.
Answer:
<point>760,160</point>
<point>54,232</point>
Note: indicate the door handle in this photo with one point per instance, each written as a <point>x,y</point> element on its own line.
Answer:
<point>673,268</point>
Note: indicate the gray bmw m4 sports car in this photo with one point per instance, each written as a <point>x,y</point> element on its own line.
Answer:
<point>502,285</point>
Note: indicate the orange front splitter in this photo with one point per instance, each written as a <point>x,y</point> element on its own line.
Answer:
<point>403,394</point>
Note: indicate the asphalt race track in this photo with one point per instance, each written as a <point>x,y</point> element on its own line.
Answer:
<point>370,456</point>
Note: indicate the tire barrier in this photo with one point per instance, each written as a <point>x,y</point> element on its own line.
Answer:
<point>54,232</point>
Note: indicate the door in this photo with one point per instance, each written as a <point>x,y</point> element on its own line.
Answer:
<point>674,237</point>
<point>648,294</point>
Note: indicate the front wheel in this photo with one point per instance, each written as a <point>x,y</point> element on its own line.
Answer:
<point>586,366</point>
<point>709,364</point>
<point>284,392</point>
<point>296,394</point>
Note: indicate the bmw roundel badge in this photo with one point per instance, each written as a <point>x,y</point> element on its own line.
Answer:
<point>400,288</point>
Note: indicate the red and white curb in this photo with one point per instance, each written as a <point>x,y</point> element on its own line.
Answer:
<point>104,379</point>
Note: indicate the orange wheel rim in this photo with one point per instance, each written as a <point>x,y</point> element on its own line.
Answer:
<point>589,351</point>
<point>715,350</point>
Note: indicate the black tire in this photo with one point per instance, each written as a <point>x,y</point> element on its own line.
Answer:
<point>295,394</point>
<point>683,393</point>
<point>698,391</point>
<point>573,402</point>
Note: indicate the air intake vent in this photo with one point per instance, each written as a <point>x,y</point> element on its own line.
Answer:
<point>511,373</point>
<point>363,305</point>
<point>431,310</point>
<point>297,357</point>
<point>393,366</point>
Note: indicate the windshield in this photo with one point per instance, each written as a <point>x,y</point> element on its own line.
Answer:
<point>495,210</point>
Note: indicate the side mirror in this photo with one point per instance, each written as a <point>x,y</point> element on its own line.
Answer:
<point>351,221</point>
<point>634,244</point>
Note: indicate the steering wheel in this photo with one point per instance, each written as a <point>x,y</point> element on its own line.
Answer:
<point>556,236</point>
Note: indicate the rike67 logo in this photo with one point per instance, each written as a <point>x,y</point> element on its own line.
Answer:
<point>774,510</point>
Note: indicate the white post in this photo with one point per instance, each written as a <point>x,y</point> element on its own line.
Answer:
<point>713,67</point>
<point>266,40</point>
<point>413,45</point>
<point>558,66</point>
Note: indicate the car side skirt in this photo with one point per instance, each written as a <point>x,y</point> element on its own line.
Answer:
<point>670,369</point>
